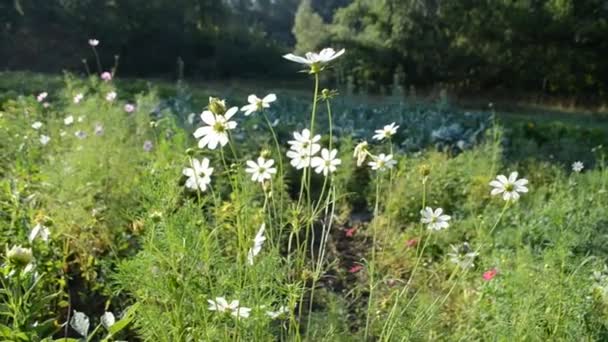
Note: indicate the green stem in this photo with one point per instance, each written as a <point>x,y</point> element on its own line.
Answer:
<point>372,264</point>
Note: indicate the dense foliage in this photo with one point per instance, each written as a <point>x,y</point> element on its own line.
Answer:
<point>551,46</point>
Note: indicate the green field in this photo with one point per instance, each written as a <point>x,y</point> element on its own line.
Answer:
<point>344,256</point>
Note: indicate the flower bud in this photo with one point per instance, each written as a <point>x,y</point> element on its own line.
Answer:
<point>265,153</point>
<point>19,256</point>
<point>425,170</point>
<point>217,106</point>
<point>156,216</point>
<point>191,152</point>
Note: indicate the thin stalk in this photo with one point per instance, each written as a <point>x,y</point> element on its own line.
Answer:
<point>372,264</point>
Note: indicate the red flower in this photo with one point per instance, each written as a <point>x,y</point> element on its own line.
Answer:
<point>351,231</point>
<point>489,274</point>
<point>411,242</point>
<point>355,269</point>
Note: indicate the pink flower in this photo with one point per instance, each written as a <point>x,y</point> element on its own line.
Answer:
<point>411,242</point>
<point>106,76</point>
<point>489,274</point>
<point>350,231</point>
<point>129,108</point>
<point>355,269</point>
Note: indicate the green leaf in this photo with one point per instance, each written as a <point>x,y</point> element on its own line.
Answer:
<point>125,320</point>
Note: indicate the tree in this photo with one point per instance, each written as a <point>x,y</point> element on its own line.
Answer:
<point>309,29</point>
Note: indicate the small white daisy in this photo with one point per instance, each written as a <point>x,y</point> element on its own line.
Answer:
<point>261,170</point>
<point>37,125</point>
<point>93,42</point>
<point>327,163</point>
<point>111,96</point>
<point>216,131</point>
<point>509,187</point>
<point>39,230</point>
<point>435,220</point>
<point>42,96</point>
<point>304,141</point>
<point>199,174</point>
<point>68,120</point>
<point>256,104</point>
<point>578,166</point>
<point>44,139</point>
<point>316,61</point>
<point>361,152</point>
<point>386,132</point>
<point>382,162</point>
<point>280,312</point>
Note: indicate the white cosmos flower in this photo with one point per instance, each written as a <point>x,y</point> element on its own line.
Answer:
<point>93,42</point>
<point>509,187</point>
<point>216,131</point>
<point>305,141</point>
<point>261,170</point>
<point>199,174</point>
<point>361,152</point>
<point>258,242</point>
<point>37,125</point>
<point>78,98</point>
<point>434,219</point>
<point>68,120</point>
<point>41,230</point>
<point>275,314</point>
<point>386,132</point>
<point>299,158</point>
<point>382,162</point>
<point>316,61</point>
<point>44,139</point>
<point>111,96</point>
<point>256,104</point>
<point>241,312</point>
<point>42,96</point>
<point>578,166</point>
<point>221,305</point>
<point>327,163</point>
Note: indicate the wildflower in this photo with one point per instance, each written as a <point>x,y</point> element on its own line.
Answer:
<point>46,105</point>
<point>355,269</point>
<point>93,42</point>
<point>241,312</point>
<point>463,255</point>
<point>80,323</point>
<point>304,141</point>
<point>280,312</point>
<point>262,170</point>
<point>44,139</point>
<point>106,76</point>
<point>19,255</point>
<point>99,129</point>
<point>129,108</point>
<point>489,274</point>
<point>199,175</point>
<point>256,104</point>
<point>78,97</point>
<point>148,145</point>
<point>299,159</point>
<point>316,61</point>
<point>108,320</point>
<point>350,232</point>
<point>386,132</point>
<point>62,133</point>
<point>435,220</point>
<point>578,166</point>
<point>80,134</point>
<point>258,242</point>
<point>37,125</point>
<point>509,187</point>
<point>42,96</point>
<point>111,96</point>
<point>382,162</point>
<point>221,305</point>
<point>361,152</point>
<point>80,118</point>
<point>68,120</point>
<point>327,163</point>
<point>216,131</point>
<point>41,230</point>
